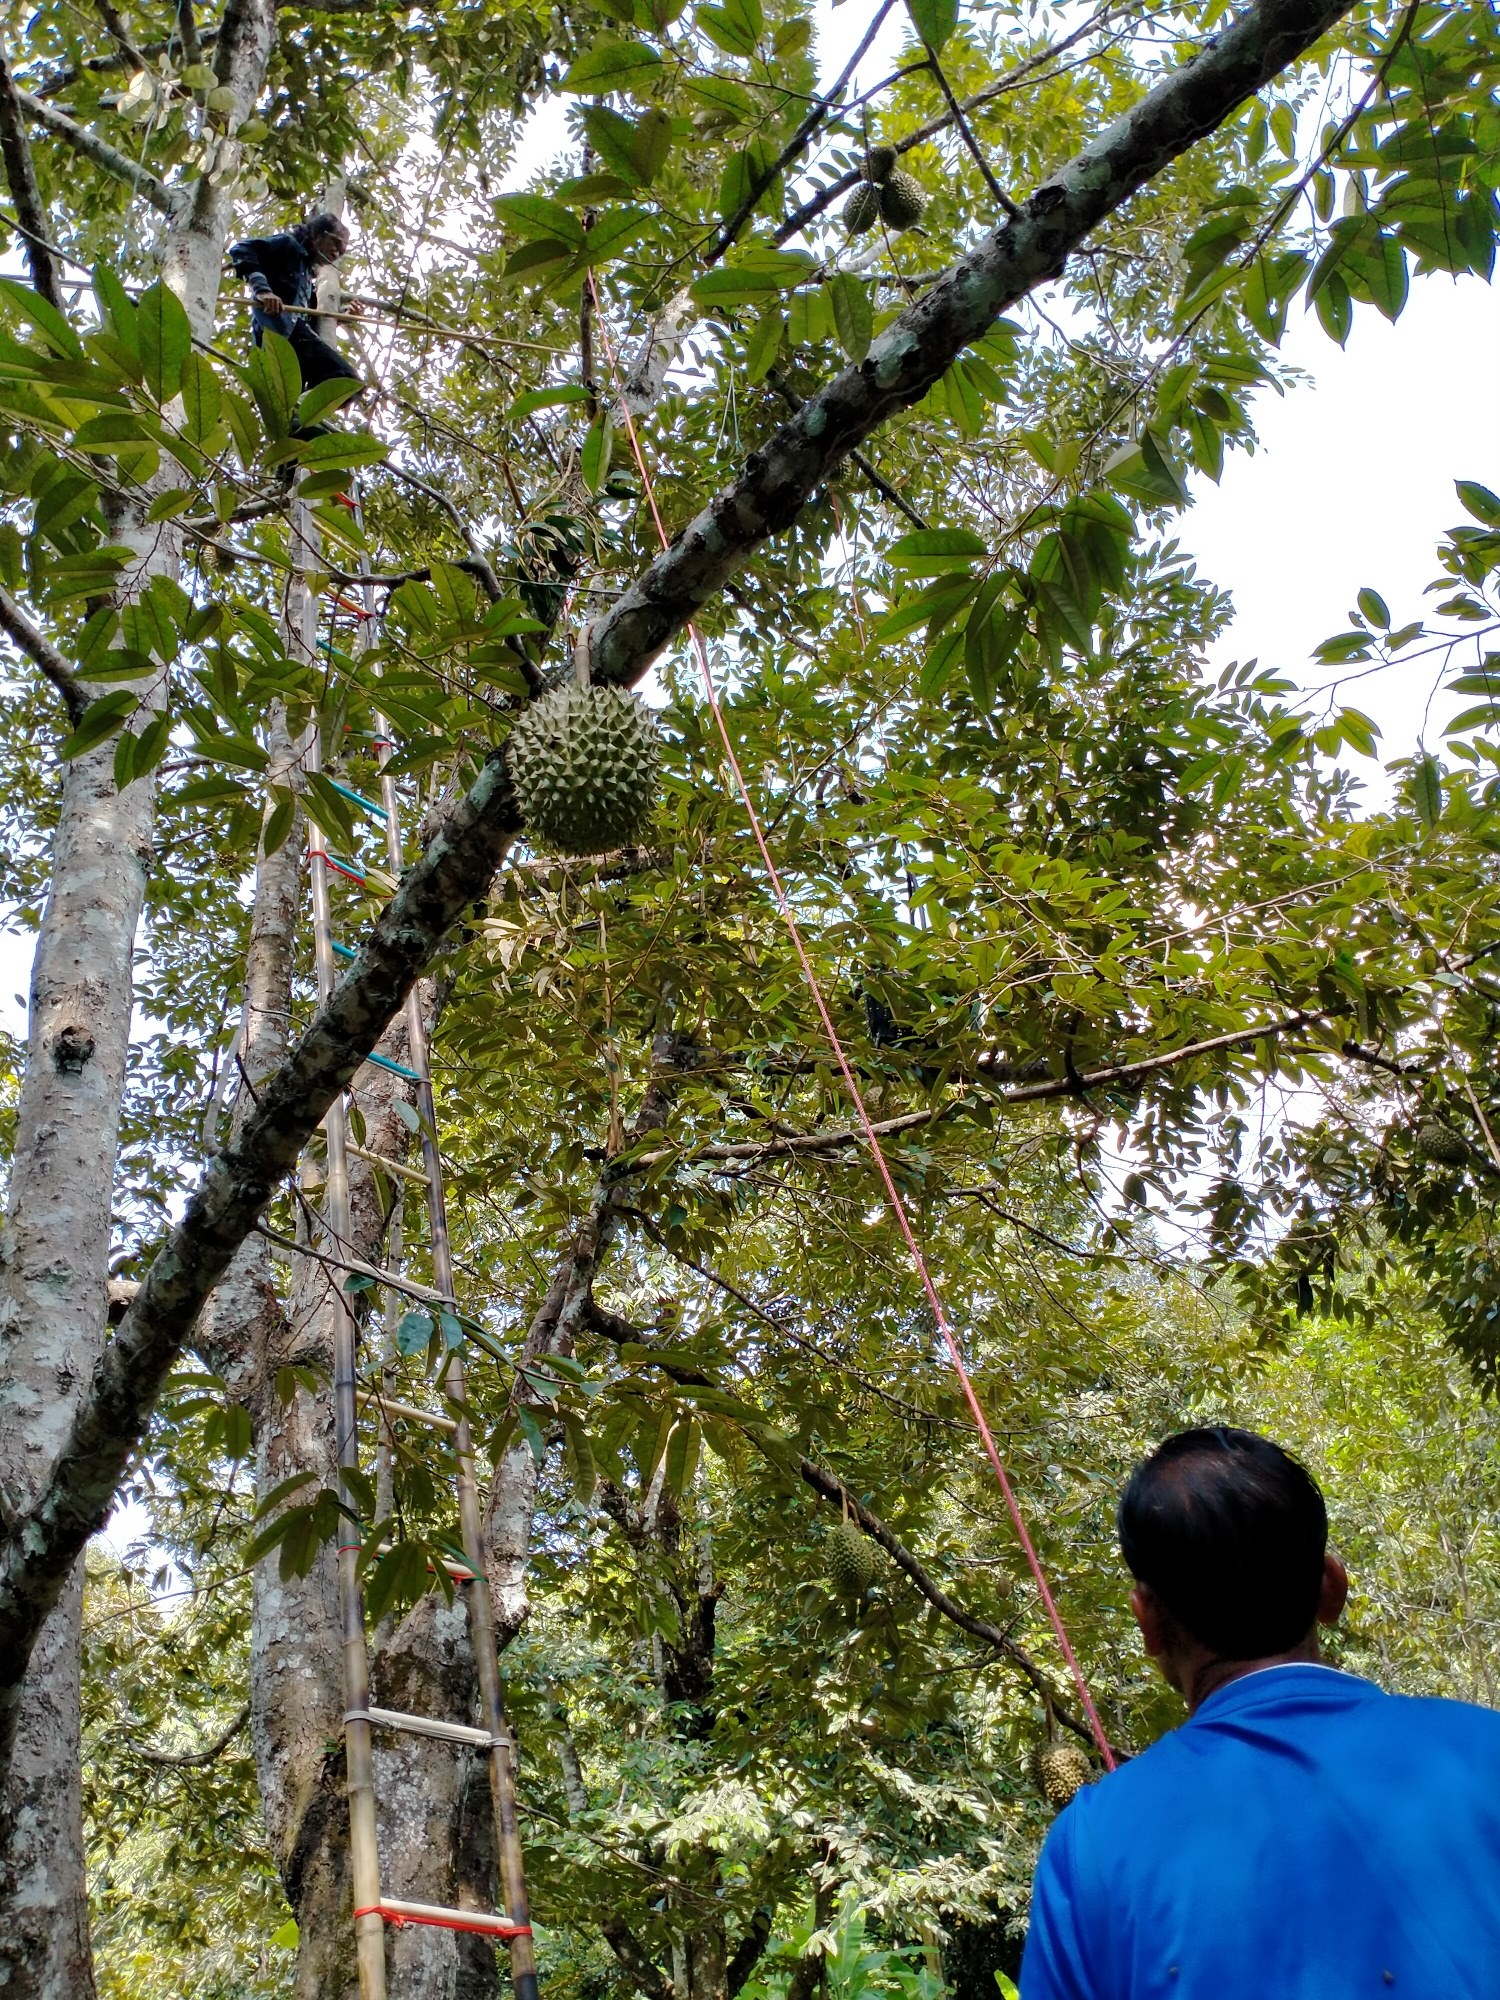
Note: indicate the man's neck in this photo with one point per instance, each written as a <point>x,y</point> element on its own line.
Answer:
<point>1208,1674</point>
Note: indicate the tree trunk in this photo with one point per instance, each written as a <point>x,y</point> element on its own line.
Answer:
<point>54,1250</point>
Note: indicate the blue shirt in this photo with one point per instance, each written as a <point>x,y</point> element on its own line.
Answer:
<point>1302,1837</point>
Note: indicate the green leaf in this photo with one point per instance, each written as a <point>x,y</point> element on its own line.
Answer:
<point>853,315</point>
<point>614,62</point>
<point>1479,501</point>
<point>275,381</point>
<point>98,723</point>
<point>533,216</point>
<point>201,400</point>
<point>287,1937</point>
<point>545,399</point>
<point>734,28</point>
<point>936,551</point>
<point>934,20</point>
<point>753,276</point>
<point>763,344</point>
<point>1335,308</point>
<point>1427,790</point>
<point>278,822</point>
<point>1372,608</point>
<point>166,339</point>
<point>414,1331</point>
<point>594,460</point>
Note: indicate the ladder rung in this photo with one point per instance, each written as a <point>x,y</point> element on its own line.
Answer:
<point>483,1922</point>
<point>343,950</point>
<point>390,1166</point>
<point>389,1407</point>
<point>396,1069</point>
<point>426,1725</point>
<point>358,799</point>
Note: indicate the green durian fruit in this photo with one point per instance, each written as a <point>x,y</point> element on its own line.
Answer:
<point>1437,1143</point>
<point>903,200</point>
<point>583,761</point>
<point>1060,1770</point>
<point>852,1562</point>
<point>878,162</point>
<point>862,209</point>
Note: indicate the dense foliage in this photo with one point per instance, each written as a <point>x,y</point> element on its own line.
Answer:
<point>1161,1025</point>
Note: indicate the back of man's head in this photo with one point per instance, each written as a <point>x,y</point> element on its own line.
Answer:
<point>1230,1532</point>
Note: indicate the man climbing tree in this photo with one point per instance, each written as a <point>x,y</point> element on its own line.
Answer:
<point>282,273</point>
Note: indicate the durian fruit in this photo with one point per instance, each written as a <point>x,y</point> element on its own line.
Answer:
<point>1060,1770</point>
<point>1437,1143</point>
<point>852,1561</point>
<point>903,200</point>
<point>878,163</point>
<point>583,761</point>
<point>862,209</point>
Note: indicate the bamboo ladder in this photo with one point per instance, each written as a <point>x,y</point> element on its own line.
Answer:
<point>372,1910</point>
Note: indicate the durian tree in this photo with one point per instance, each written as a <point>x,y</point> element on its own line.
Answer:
<point>1064,894</point>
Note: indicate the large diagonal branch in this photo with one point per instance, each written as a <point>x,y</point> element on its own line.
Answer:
<point>109,159</point>
<point>918,347</point>
<point>20,178</point>
<point>906,358</point>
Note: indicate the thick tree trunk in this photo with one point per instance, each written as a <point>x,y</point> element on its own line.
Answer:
<point>54,1259</point>
<point>55,1245</point>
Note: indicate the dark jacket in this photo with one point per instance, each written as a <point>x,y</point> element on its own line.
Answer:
<point>282,264</point>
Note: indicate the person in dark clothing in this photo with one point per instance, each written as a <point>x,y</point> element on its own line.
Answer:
<point>282,271</point>
<point>1303,1835</point>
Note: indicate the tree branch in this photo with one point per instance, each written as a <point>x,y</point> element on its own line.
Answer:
<point>40,649</point>
<point>456,868</point>
<point>187,33</point>
<point>194,1760</point>
<point>20,178</point>
<point>1077,1085</point>
<point>748,1952</point>
<point>821,1480</point>
<point>637,1961</point>
<point>109,159</point>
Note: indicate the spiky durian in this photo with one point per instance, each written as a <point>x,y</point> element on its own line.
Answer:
<point>852,1561</point>
<point>1060,1770</point>
<point>903,200</point>
<point>583,761</point>
<point>862,209</point>
<point>878,162</point>
<point>1438,1143</point>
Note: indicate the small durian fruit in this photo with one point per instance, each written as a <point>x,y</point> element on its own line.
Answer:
<point>852,1561</point>
<point>862,209</point>
<point>1060,1770</point>
<point>583,761</point>
<point>878,163</point>
<point>903,200</point>
<point>1436,1142</point>
<point>222,557</point>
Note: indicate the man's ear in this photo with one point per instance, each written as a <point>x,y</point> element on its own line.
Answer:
<point>1152,1617</point>
<point>1333,1594</point>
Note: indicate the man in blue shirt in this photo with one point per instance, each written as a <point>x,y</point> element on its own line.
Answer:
<point>1302,1836</point>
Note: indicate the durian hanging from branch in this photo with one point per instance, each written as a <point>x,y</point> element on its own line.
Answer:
<point>583,761</point>
<point>887,194</point>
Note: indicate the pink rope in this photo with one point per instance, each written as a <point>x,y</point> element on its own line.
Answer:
<point>872,1138</point>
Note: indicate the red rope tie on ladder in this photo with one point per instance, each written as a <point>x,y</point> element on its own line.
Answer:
<point>445,1920</point>
<point>872,1139</point>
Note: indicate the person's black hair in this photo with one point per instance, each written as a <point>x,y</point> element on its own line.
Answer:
<point>1230,1532</point>
<point>314,226</point>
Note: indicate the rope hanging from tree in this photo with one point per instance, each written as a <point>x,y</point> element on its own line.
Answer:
<point>851,1084</point>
